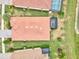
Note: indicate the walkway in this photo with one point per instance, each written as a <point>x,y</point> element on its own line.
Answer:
<point>2,27</point>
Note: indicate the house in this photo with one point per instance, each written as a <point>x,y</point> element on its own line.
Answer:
<point>56,5</point>
<point>35,53</point>
<point>33,4</point>
<point>53,22</point>
<point>30,28</point>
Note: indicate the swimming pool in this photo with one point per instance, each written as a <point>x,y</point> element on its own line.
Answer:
<point>56,5</point>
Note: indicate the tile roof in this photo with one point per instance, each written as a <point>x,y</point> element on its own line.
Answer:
<point>35,53</point>
<point>42,4</point>
<point>30,28</point>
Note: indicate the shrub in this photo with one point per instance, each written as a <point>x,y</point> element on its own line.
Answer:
<point>10,49</point>
<point>6,18</point>
<point>9,9</point>
<point>61,14</point>
<point>61,54</point>
<point>59,39</point>
<point>7,41</point>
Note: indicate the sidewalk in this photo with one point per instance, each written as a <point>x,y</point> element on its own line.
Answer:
<point>2,28</point>
<point>77,16</point>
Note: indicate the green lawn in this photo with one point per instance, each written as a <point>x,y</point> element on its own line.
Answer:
<point>70,31</point>
<point>27,44</point>
<point>30,44</point>
<point>54,45</point>
<point>15,11</point>
<point>77,45</point>
<point>7,24</point>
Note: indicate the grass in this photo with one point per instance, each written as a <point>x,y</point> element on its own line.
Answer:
<point>69,28</point>
<point>27,44</point>
<point>77,42</point>
<point>70,34</point>
<point>7,24</point>
<point>15,11</point>
<point>30,44</point>
<point>54,45</point>
<point>77,45</point>
<point>29,12</point>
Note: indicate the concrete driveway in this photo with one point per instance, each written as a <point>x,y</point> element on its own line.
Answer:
<point>0,1</point>
<point>5,33</point>
<point>8,2</point>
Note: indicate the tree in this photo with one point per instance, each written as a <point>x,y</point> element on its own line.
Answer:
<point>10,49</point>
<point>9,9</point>
<point>61,53</point>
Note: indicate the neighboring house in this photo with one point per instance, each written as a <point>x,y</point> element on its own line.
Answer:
<point>53,5</point>
<point>30,28</point>
<point>35,53</point>
<point>53,22</point>
<point>33,4</point>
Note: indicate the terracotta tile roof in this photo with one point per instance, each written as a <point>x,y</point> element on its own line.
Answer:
<point>30,28</point>
<point>42,4</point>
<point>29,54</point>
